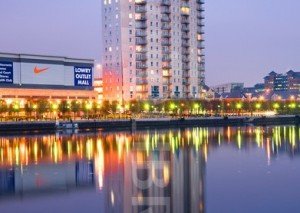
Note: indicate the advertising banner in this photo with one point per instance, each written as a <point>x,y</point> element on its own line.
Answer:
<point>42,74</point>
<point>83,76</point>
<point>6,73</point>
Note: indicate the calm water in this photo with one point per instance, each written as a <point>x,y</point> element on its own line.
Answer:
<point>240,169</point>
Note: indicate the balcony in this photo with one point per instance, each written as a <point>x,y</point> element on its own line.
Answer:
<point>140,33</point>
<point>185,59</point>
<point>201,67</point>
<point>141,74</point>
<point>140,25</point>
<point>200,16</point>
<point>140,49</point>
<point>165,26</point>
<point>200,23</point>
<point>185,44</point>
<point>185,51</point>
<point>201,53</point>
<point>141,57</point>
<point>185,28</point>
<point>186,82</point>
<point>200,1</point>
<point>141,65</point>
<point>140,9</point>
<point>166,58</point>
<point>142,90</point>
<point>140,41</point>
<point>184,20</point>
<point>166,50</point>
<point>185,67</point>
<point>166,65</point>
<point>141,81</point>
<point>200,30</point>
<point>141,17</point>
<point>165,18</point>
<point>165,9</point>
<point>166,42</point>
<point>166,34</point>
<point>186,75</point>
<point>200,8</point>
<point>167,73</point>
<point>167,82</point>
<point>165,2</point>
<point>185,35</point>
<point>200,46</point>
<point>140,2</point>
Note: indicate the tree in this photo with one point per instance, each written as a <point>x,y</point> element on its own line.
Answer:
<point>42,106</point>
<point>64,107</point>
<point>75,107</point>
<point>3,107</point>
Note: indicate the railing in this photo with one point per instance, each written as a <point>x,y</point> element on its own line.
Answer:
<point>140,33</point>
<point>141,57</point>
<point>140,9</point>
<point>141,65</point>
<point>140,41</point>
<point>166,2</point>
<point>166,34</point>
<point>141,81</point>
<point>140,25</point>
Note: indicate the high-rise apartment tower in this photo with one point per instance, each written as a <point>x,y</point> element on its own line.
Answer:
<point>153,49</point>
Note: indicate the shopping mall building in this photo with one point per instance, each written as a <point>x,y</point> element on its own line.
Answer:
<point>25,76</point>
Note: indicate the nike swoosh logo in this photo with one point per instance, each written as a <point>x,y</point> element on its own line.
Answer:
<point>39,70</point>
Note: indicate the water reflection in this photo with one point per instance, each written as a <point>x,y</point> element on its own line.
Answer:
<point>162,170</point>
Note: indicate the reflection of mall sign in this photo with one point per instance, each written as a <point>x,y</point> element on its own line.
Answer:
<point>83,76</point>
<point>6,72</point>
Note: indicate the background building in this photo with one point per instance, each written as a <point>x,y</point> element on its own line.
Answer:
<point>34,76</point>
<point>153,49</point>
<point>227,88</point>
<point>289,81</point>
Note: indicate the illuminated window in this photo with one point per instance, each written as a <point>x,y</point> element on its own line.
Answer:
<point>185,10</point>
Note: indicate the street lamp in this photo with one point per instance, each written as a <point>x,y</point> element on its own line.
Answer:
<point>258,106</point>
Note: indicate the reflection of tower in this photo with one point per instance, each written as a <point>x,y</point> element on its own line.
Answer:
<point>188,181</point>
<point>113,182</point>
<point>147,181</point>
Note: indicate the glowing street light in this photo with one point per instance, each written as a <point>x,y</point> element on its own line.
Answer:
<point>88,106</point>
<point>258,105</point>
<point>172,106</point>
<point>239,105</point>
<point>54,106</point>
<point>147,107</point>
<point>276,106</point>
<point>196,106</point>
<point>292,105</point>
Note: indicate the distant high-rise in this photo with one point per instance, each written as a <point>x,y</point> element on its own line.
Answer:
<point>153,49</point>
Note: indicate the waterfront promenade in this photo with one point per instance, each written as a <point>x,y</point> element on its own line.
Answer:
<point>114,124</point>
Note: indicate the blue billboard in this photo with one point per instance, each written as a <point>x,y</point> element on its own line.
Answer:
<point>83,76</point>
<point>6,72</point>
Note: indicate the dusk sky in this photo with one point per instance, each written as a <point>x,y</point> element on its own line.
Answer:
<point>244,39</point>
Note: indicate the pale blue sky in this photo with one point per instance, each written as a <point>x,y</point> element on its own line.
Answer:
<point>245,39</point>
